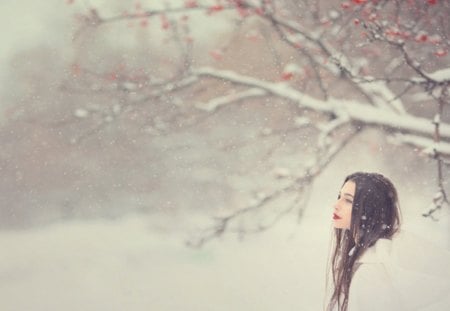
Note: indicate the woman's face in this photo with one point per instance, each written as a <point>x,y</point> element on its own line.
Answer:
<point>342,215</point>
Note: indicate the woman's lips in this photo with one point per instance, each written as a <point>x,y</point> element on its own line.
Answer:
<point>336,216</point>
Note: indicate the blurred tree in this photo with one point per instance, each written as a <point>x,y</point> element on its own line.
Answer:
<point>312,74</point>
<point>340,66</point>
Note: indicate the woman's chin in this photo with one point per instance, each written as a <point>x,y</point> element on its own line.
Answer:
<point>338,225</point>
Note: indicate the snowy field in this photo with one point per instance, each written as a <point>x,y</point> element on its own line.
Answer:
<point>125,265</point>
<point>141,263</point>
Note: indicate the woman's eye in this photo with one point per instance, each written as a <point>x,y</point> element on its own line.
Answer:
<point>349,201</point>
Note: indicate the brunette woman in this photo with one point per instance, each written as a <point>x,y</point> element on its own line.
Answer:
<point>366,218</point>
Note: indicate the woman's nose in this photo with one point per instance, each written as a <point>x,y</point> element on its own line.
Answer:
<point>336,205</point>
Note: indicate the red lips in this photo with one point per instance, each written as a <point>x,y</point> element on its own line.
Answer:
<point>336,216</point>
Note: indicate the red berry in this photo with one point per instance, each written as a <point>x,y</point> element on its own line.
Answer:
<point>259,11</point>
<point>216,54</point>
<point>286,76</point>
<point>440,52</point>
<point>215,8</point>
<point>144,23</point>
<point>138,6</point>
<point>421,38</point>
<point>164,22</point>
<point>190,4</point>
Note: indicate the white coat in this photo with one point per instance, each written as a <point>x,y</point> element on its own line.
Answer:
<point>402,274</point>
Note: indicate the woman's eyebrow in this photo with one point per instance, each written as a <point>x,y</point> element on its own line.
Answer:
<point>347,194</point>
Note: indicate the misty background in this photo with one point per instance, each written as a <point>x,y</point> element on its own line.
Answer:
<point>98,219</point>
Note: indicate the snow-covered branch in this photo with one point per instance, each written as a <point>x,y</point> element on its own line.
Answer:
<point>217,102</point>
<point>336,62</point>
<point>354,111</point>
<point>426,145</point>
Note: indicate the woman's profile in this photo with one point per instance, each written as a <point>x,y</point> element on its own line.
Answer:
<point>366,211</point>
<point>372,265</point>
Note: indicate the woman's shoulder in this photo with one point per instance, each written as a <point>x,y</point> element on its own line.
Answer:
<point>371,289</point>
<point>410,251</point>
<point>407,264</point>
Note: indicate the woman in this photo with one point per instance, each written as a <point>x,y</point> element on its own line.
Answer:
<point>366,213</point>
<point>373,265</point>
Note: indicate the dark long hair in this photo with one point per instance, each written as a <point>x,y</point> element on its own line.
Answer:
<point>375,215</point>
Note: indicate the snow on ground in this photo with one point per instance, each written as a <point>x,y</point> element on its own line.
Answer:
<point>140,262</point>
<point>125,265</point>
